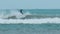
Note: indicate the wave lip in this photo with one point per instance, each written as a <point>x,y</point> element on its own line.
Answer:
<point>30,21</point>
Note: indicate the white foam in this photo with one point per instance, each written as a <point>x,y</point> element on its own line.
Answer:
<point>30,21</point>
<point>11,13</point>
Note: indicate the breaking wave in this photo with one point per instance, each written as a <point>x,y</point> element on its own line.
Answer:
<point>10,14</point>
<point>15,17</point>
<point>30,21</point>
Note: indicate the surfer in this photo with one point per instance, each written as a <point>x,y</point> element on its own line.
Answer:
<point>21,11</point>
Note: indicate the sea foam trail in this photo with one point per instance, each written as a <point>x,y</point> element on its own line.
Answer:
<point>30,21</point>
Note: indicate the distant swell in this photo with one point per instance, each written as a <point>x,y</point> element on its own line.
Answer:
<point>30,21</point>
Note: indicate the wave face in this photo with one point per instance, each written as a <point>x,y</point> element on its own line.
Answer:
<point>30,16</point>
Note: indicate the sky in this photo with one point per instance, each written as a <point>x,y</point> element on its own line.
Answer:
<point>29,4</point>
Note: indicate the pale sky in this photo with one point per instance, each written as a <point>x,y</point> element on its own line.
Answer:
<point>30,4</point>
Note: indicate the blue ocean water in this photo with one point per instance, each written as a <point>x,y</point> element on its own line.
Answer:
<point>29,28</point>
<point>43,11</point>
<point>37,25</point>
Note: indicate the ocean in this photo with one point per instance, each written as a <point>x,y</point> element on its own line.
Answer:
<point>32,21</point>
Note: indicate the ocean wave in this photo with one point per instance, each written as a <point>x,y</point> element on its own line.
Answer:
<point>30,21</point>
<point>15,14</point>
<point>28,17</point>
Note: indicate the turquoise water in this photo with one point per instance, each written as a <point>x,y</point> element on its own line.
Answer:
<point>43,11</point>
<point>29,28</point>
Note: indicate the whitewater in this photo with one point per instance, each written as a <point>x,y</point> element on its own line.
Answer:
<point>30,21</point>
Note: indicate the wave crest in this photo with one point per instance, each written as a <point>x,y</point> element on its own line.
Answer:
<point>30,21</point>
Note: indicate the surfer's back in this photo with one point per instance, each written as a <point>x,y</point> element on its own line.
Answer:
<point>21,11</point>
